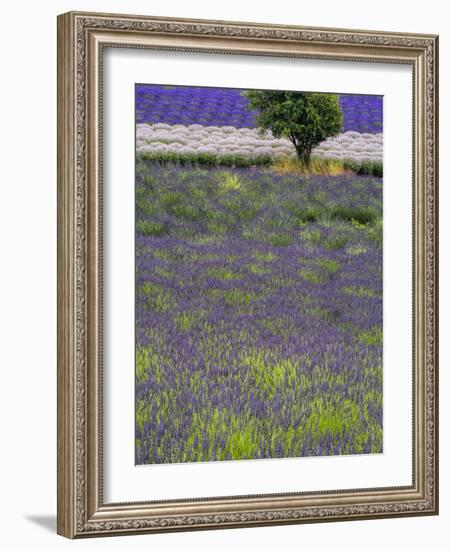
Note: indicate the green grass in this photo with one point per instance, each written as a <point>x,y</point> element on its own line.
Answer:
<point>268,375</point>
<point>329,418</point>
<point>362,215</point>
<point>188,320</point>
<point>265,256</point>
<point>234,297</point>
<point>186,212</point>
<point>156,297</point>
<point>356,250</point>
<point>317,166</point>
<point>259,269</point>
<point>279,239</point>
<point>326,213</point>
<point>375,232</point>
<point>311,236</point>
<point>371,337</point>
<point>336,242</point>
<point>205,159</point>
<point>312,276</point>
<point>284,165</point>
<point>229,182</point>
<point>154,229</point>
<point>222,273</point>
<point>240,209</point>
<point>305,215</point>
<point>328,265</point>
<point>163,272</point>
<point>360,291</point>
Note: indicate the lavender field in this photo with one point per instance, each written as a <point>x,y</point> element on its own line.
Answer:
<point>258,313</point>
<point>187,105</point>
<point>181,121</point>
<point>258,283</point>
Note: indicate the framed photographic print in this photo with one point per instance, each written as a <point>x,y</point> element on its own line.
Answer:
<point>247,274</point>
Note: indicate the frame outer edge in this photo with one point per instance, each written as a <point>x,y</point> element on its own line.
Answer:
<point>435,213</point>
<point>65,281</point>
<point>74,480</point>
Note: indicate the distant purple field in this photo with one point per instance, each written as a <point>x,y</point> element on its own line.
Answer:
<point>228,107</point>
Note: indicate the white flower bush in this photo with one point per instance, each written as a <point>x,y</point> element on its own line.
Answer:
<point>249,142</point>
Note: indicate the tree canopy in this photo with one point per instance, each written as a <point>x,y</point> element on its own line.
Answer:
<point>305,118</point>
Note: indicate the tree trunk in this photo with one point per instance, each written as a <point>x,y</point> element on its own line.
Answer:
<point>304,154</point>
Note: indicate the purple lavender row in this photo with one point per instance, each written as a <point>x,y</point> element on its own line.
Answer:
<point>228,107</point>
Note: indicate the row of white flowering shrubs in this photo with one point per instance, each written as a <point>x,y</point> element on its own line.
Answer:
<point>153,139</point>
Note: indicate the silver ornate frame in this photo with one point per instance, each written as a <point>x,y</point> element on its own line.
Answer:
<point>81,39</point>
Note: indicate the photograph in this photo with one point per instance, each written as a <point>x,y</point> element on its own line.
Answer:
<point>258,274</point>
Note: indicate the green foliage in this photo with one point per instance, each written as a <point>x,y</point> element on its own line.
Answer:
<point>171,199</point>
<point>279,239</point>
<point>187,320</point>
<point>316,166</point>
<point>144,204</point>
<point>328,265</point>
<point>265,256</point>
<point>217,227</point>
<point>161,272</point>
<point>360,291</point>
<point>332,418</point>
<point>241,209</point>
<point>350,164</point>
<point>259,269</point>
<point>262,160</point>
<point>154,229</point>
<point>312,236</point>
<point>377,169</point>
<point>306,119</point>
<point>304,215</point>
<point>218,222</point>
<point>234,297</point>
<point>228,160</point>
<point>362,215</point>
<point>371,337</point>
<point>356,250</point>
<point>312,276</point>
<point>336,242</point>
<point>156,297</point>
<point>365,168</point>
<point>186,211</point>
<point>270,376</point>
<point>222,273</point>
<point>143,174</point>
<point>230,182</point>
<point>284,165</point>
<point>375,232</point>
<point>173,202</point>
<point>207,160</point>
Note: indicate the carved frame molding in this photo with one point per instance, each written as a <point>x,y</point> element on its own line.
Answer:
<point>81,37</point>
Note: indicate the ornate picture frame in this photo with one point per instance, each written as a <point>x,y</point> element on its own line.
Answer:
<point>82,39</point>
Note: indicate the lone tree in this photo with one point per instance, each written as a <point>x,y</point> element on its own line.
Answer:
<point>304,118</point>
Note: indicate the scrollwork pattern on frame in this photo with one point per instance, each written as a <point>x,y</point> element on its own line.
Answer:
<point>258,32</point>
